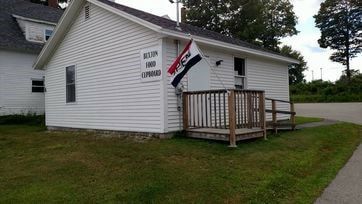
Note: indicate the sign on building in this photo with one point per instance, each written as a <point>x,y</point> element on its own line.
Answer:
<point>151,64</point>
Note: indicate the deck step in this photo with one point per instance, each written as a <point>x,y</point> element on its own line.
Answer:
<point>223,134</point>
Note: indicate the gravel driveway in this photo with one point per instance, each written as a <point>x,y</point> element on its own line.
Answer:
<point>348,112</point>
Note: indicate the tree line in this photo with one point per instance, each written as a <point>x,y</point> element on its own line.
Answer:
<point>343,90</point>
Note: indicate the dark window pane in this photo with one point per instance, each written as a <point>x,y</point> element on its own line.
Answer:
<point>70,84</point>
<point>239,66</point>
<point>37,89</point>
<point>48,33</point>
<point>37,86</point>
<point>38,83</point>
<point>70,75</point>
<point>70,93</point>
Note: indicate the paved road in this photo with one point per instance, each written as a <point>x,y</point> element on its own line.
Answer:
<point>348,112</point>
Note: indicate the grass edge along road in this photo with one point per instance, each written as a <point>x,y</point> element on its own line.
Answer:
<point>299,120</point>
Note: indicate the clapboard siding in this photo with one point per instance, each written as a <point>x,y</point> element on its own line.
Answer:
<point>271,76</point>
<point>16,74</point>
<point>110,95</point>
<point>222,76</point>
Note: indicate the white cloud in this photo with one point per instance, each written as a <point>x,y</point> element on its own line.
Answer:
<point>305,9</point>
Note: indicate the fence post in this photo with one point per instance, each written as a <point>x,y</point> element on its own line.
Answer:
<point>292,117</point>
<point>274,109</point>
<point>232,118</point>
<point>262,112</point>
<point>185,108</point>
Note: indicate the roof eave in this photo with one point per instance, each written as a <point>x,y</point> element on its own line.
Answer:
<point>24,50</point>
<point>60,29</point>
<point>228,46</point>
<point>33,20</point>
<point>126,15</point>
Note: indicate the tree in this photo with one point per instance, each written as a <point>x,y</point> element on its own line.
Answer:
<point>279,21</point>
<point>340,22</point>
<point>344,78</point>
<point>296,75</point>
<point>261,22</point>
<point>209,14</point>
<point>243,21</point>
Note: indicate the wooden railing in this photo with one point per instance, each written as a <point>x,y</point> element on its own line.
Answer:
<point>249,108</point>
<point>224,109</point>
<point>274,113</point>
<point>205,109</point>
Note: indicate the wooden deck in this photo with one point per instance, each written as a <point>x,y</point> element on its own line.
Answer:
<point>223,134</point>
<point>226,115</point>
<point>230,115</point>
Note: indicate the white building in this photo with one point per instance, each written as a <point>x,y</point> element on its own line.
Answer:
<point>97,76</point>
<point>24,28</point>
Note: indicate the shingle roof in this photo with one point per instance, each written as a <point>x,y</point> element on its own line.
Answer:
<point>185,28</point>
<point>11,36</point>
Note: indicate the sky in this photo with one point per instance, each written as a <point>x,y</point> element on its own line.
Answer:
<point>305,42</point>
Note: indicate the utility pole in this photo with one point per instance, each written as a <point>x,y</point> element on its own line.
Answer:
<point>312,75</point>
<point>322,74</point>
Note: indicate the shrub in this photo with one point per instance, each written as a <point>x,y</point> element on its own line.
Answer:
<point>26,119</point>
<point>325,91</point>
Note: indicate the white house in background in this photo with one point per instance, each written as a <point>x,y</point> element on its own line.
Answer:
<point>106,68</point>
<point>24,28</point>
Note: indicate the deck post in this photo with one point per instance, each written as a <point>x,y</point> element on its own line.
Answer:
<point>292,117</point>
<point>262,113</point>
<point>185,109</point>
<point>274,113</point>
<point>232,118</point>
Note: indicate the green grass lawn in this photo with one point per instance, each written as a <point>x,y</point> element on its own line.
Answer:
<point>302,120</point>
<point>291,167</point>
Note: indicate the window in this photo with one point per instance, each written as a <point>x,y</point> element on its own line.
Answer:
<point>86,12</point>
<point>48,33</point>
<point>70,84</point>
<point>240,77</point>
<point>37,85</point>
